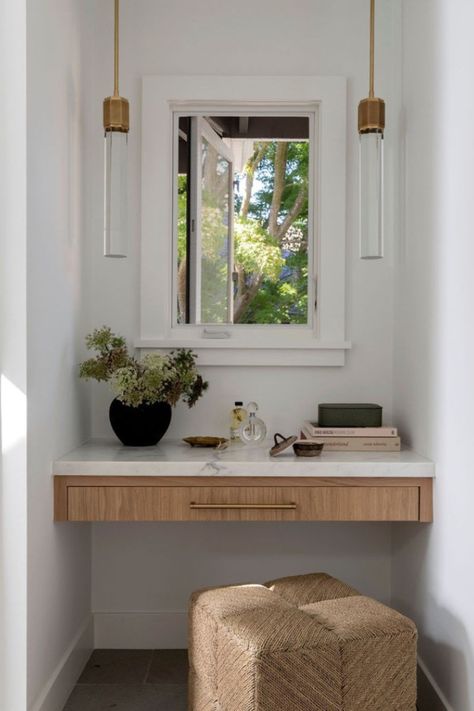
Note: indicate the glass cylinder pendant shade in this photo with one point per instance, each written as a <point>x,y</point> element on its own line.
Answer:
<point>371,195</point>
<point>115,194</point>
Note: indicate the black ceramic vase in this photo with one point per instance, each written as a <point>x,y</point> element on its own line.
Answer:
<point>141,426</point>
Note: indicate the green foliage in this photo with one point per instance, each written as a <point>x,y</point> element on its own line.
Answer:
<point>214,238</point>
<point>285,300</point>
<point>255,250</point>
<point>182,215</point>
<point>214,232</point>
<point>214,265</point>
<point>282,296</point>
<point>156,378</point>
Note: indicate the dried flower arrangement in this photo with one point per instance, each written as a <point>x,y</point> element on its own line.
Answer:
<point>155,378</point>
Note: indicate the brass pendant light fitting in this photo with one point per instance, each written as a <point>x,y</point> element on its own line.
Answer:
<point>372,109</point>
<point>116,108</point>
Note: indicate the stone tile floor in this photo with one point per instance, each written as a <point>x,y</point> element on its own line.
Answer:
<point>132,680</point>
<point>135,680</point>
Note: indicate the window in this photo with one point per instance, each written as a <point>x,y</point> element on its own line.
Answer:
<point>243,223</point>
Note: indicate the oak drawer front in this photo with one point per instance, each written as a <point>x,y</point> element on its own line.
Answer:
<point>243,503</point>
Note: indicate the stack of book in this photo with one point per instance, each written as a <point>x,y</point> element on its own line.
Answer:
<point>352,439</point>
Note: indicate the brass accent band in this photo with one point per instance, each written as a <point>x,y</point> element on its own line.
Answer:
<point>193,505</point>
<point>371,115</point>
<point>116,114</point>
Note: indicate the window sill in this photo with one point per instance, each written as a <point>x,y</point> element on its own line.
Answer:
<point>237,352</point>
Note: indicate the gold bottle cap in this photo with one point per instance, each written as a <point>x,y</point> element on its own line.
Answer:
<point>371,115</point>
<point>116,114</point>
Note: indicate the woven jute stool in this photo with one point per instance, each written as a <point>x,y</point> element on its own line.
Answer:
<point>305,643</point>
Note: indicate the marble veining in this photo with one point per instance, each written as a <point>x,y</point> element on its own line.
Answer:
<point>175,458</point>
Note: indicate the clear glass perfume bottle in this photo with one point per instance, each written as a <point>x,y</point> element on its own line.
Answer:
<point>238,416</point>
<point>253,430</point>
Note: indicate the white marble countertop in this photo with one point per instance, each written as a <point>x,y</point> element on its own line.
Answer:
<point>175,458</point>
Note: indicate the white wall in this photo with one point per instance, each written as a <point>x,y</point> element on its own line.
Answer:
<point>13,472</point>
<point>433,576</point>
<point>156,567</point>
<point>268,37</point>
<point>58,555</point>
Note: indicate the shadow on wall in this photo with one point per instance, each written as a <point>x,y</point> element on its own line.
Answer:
<point>213,554</point>
<point>449,663</point>
<point>170,560</point>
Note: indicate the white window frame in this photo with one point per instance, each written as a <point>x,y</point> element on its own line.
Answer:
<point>321,342</point>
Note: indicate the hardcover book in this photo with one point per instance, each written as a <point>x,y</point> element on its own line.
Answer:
<point>356,444</point>
<point>316,431</point>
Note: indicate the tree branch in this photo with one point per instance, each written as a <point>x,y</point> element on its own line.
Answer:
<point>293,213</point>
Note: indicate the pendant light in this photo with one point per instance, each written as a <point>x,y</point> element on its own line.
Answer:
<point>116,125</point>
<point>371,128</point>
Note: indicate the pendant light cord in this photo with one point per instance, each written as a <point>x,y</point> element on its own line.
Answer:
<point>116,49</point>
<point>372,60</point>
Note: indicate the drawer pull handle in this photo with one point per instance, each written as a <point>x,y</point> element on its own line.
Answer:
<point>194,505</point>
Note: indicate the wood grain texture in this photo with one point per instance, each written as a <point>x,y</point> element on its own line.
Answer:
<point>426,500</point>
<point>60,498</point>
<point>123,480</point>
<point>317,503</point>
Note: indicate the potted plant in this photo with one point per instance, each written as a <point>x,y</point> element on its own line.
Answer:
<point>145,389</point>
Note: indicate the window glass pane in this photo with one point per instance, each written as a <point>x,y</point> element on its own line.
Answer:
<point>271,235</point>
<point>182,225</point>
<point>243,220</point>
<point>215,236</point>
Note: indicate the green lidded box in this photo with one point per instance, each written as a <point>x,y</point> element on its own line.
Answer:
<point>349,415</point>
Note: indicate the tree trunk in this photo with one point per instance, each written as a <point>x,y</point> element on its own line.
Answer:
<point>278,186</point>
<point>241,305</point>
<point>250,169</point>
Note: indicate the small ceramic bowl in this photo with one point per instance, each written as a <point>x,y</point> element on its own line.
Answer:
<point>308,449</point>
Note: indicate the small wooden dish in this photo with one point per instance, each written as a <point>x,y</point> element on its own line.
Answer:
<point>308,449</point>
<point>205,441</point>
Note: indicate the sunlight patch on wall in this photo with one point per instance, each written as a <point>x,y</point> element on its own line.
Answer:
<point>13,414</point>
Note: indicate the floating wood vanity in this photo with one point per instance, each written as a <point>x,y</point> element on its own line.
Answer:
<point>103,481</point>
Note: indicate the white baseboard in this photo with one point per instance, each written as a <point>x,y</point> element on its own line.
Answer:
<point>166,629</point>
<point>61,682</point>
<point>430,696</point>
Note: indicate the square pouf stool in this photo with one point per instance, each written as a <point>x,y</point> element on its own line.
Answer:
<point>305,643</point>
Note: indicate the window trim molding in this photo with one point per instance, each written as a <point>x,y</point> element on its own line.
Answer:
<point>325,345</point>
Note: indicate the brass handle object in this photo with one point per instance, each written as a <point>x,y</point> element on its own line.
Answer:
<point>194,505</point>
